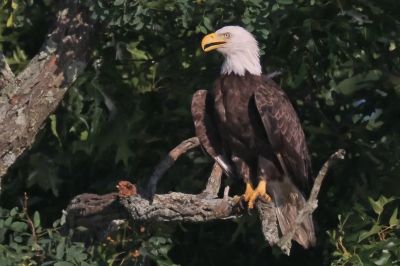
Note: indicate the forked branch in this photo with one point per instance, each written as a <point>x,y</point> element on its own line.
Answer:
<point>202,207</point>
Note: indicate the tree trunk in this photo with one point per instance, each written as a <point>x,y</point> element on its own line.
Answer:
<point>29,98</point>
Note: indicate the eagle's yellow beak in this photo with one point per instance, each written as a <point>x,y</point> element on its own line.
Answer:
<point>212,41</point>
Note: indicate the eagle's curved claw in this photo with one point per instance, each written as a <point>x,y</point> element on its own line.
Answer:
<point>251,195</point>
<point>248,192</point>
<point>260,191</point>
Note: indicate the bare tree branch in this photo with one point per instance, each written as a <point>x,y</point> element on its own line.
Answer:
<point>7,77</point>
<point>176,206</point>
<point>96,213</point>
<point>167,162</point>
<point>88,209</point>
<point>269,224</point>
<point>214,182</point>
<point>36,92</point>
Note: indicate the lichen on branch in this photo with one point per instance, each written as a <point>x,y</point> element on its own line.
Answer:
<point>181,207</point>
<point>29,98</point>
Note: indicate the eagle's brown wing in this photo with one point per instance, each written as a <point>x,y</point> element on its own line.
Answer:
<point>286,137</point>
<point>284,131</point>
<point>206,129</point>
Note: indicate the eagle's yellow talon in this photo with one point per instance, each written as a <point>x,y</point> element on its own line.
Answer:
<point>251,195</point>
<point>249,192</point>
<point>260,191</point>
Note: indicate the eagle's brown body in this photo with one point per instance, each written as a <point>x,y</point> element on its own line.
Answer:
<point>237,118</point>
<point>244,124</point>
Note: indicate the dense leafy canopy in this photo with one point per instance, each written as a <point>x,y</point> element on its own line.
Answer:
<point>340,66</point>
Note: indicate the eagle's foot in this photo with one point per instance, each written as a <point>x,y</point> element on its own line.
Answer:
<point>260,191</point>
<point>247,194</point>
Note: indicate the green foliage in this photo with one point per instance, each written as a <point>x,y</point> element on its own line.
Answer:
<point>11,17</point>
<point>12,12</point>
<point>17,19</point>
<point>340,62</point>
<point>23,241</point>
<point>368,239</point>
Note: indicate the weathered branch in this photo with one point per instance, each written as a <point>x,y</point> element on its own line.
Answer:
<point>214,182</point>
<point>96,213</point>
<point>7,77</point>
<point>269,224</point>
<point>167,162</point>
<point>27,100</point>
<point>176,206</point>
<point>87,209</point>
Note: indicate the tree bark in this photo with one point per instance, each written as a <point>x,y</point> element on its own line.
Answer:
<point>28,99</point>
<point>100,213</point>
<point>6,75</point>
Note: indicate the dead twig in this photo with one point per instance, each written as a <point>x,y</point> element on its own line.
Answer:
<point>214,182</point>
<point>28,219</point>
<point>167,162</point>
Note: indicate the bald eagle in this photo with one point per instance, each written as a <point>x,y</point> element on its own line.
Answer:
<point>249,127</point>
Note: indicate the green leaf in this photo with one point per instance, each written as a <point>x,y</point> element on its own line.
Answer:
<point>383,200</point>
<point>393,219</point>
<point>8,221</point>
<point>18,239</point>
<point>374,230</point>
<point>118,2</point>
<point>201,29</point>
<point>360,81</point>
<point>36,247</point>
<point>53,125</point>
<point>48,263</point>
<point>14,5</point>
<point>376,206</point>
<point>208,24</point>
<point>285,2</point>
<point>379,204</point>
<point>60,250</point>
<point>19,227</point>
<point>14,211</point>
<point>10,21</point>
<point>84,135</point>
<point>124,153</point>
<point>36,219</point>
<point>63,263</point>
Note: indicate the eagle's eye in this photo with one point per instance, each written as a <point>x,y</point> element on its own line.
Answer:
<point>227,35</point>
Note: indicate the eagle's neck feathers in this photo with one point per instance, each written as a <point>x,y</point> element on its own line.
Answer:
<point>241,61</point>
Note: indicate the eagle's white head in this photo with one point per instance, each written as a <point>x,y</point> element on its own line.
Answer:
<point>239,47</point>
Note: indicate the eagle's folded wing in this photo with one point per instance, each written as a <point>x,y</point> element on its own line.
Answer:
<point>284,131</point>
<point>206,130</point>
